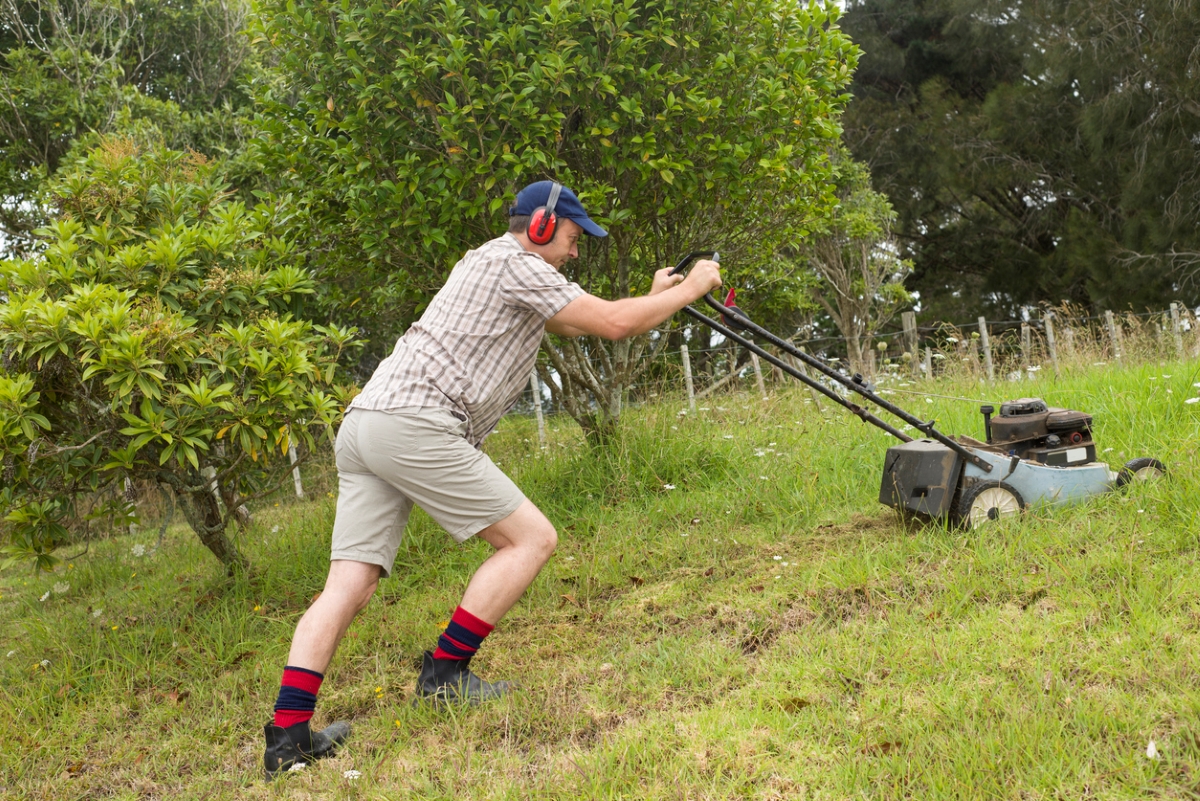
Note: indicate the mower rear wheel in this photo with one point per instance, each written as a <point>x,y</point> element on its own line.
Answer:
<point>1140,469</point>
<point>984,502</point>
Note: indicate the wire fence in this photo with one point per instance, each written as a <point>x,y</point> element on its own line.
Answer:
<point>1061,339</point>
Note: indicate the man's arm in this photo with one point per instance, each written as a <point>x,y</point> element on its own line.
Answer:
<point>627,317</point>
<point>557,326</point>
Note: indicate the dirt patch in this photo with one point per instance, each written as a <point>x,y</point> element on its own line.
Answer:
<point>754,631</point>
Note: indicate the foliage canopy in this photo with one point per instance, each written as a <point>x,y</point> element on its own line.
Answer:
<point>408,128</point>
<point>158,338</point>
<point>856,263</point>
<point>73,67</point>
<point>1034,151</point>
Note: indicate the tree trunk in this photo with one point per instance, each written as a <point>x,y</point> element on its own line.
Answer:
<point>590,393</point>
<point>209,523</point>
<point>854,352</point>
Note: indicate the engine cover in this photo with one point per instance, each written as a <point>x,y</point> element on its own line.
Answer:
<point>1030,429</point>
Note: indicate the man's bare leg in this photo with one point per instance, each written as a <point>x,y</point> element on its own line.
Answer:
<point>524,542</point>
<point>348,589</point>
<point>289,739</point>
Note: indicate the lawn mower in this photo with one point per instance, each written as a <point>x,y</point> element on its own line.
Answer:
<point>1032,454</point>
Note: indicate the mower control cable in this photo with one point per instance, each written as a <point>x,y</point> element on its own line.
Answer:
<point>771,358</point>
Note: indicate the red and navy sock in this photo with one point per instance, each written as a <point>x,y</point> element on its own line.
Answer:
<point>297,696</point>
<point>462,636</point>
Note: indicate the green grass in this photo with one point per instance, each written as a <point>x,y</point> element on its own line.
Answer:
<point>667,651</point>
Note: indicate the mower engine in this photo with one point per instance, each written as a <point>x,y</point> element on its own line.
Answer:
<point>1037,454</point>
<point>1029,429</point>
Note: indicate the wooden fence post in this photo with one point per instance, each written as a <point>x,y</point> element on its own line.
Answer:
<point>536,386</point>
<point>1026,344</point>
<point>1048,320</point>
<point>1175,330</point>
<point>986,342</point>
<point>687,377</point>
<point>928,362</point>
<point>799,365</point>
<point>909,321</point>
<point>758,374</point>
<point>1112,335</point>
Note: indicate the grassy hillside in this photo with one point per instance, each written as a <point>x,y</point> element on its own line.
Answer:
<point>730,613</point>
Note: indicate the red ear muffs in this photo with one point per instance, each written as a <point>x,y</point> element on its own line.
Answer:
<point>543,222</point>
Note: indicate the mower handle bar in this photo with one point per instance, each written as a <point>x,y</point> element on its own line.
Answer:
<point>771,358</point>
<point>737,318</point>
<point>689,258</point>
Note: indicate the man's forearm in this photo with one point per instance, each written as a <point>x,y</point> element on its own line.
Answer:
<point>627,317</point>
<point>638,315</point>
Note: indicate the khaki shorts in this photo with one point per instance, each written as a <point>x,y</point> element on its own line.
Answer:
<point>387,461</point>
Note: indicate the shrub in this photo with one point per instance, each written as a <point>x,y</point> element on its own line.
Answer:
<point>159,336</point>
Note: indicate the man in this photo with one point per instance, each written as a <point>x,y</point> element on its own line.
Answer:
<point>413,436</point>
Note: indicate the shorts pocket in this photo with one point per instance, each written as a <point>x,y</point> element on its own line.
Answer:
<point>452,424</point>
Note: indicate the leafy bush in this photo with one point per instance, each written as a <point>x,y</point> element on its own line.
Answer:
<point>159,337</point>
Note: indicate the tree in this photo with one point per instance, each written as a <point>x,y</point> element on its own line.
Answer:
<point>1034,151</point>
<point>407,130</point>
<point>70,67</point>
<point>860,273</point>
<point>159,337</point>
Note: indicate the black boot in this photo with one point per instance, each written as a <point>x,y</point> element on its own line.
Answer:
<point>299,745</point>
<point>450,680</point>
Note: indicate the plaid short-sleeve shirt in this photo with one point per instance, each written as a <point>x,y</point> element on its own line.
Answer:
<point>475,345</point>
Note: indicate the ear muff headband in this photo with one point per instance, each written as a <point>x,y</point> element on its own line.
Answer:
<point>543,222</point>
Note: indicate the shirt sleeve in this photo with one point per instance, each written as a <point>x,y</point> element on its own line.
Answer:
<point>529,282</point>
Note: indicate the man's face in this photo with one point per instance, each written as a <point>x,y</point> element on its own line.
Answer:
<point>565,245</point>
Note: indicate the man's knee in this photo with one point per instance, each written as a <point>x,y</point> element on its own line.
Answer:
<point>365,594</point>
<point>353,582</point>
<point>545,539</point>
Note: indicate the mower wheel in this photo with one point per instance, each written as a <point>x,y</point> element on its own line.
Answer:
<point>1141,469</point>
<point>981,503</point>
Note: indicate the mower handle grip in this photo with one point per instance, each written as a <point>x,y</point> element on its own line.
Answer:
<point>691,257</point>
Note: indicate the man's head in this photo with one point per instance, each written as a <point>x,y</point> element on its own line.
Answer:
<point>558,228</point>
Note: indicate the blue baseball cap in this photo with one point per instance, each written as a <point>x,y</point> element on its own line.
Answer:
<point>567,207</point>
